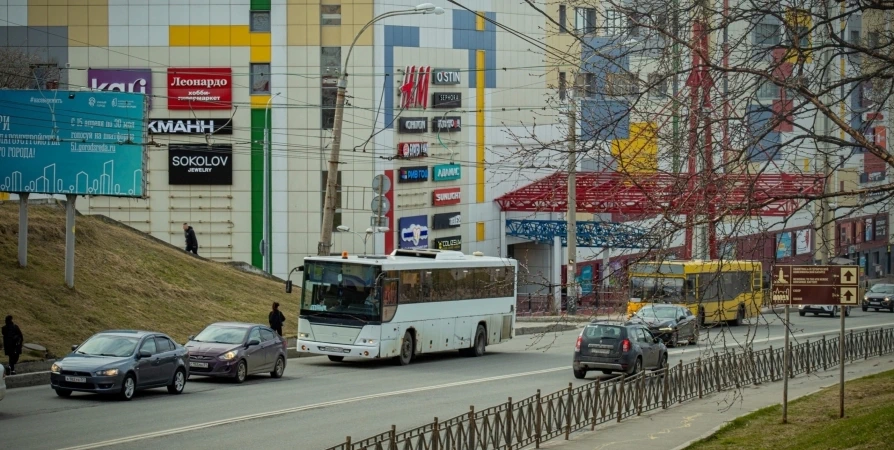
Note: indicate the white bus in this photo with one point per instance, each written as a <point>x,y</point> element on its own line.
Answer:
<point>405,304</point>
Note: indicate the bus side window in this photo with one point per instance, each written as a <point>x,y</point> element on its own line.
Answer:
<point>691,289</point>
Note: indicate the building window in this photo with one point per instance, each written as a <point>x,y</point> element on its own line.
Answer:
<point>615,23</point>
<point>585,85</point>
<point>563,19</point>
<point>767,35</point>
<point>336,221</point>
<point>330,63</point>
<point>260,21</point>
<point>767,91</point>
<point>260,79</point>
<point>562,86</point>
<point>585,20</point>
<point>658,84</point>
<point>330,14</point>
<point>621,84</point>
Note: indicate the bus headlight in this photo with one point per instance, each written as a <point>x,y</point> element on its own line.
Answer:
<point>303,335</point>
<point>367,341</point>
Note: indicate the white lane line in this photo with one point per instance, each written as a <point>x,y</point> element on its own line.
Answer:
<point>217,423</point>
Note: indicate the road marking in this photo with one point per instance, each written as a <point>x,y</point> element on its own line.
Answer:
<point>217,423</point>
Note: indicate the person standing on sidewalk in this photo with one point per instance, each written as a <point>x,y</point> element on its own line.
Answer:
<point>276,318</point>
<point>192,244</point>
<point>12,343</point>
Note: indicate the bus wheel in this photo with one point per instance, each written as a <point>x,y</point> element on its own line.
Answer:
<point>480,341</point>
<point>334,358</point>
<point>740,316</point>
<point>701,317</point>
<point>406,350</point>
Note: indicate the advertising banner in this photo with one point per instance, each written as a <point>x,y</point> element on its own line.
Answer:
<point>446,100</point>
<point>199,164</point>
<point>449,243</point>
<point>412,174</point>
<point>446,196</point>
<point>446,124</point>
<point>447,172</point>
<point>446,220</point>
<point>412,124</point>
<point>96,150</point>
<point>413,232</point>
<point>410,150</point>
<point>200,88</point>
<point>136,81</point>
<point>445,76</point>
<point>783,245</point>
<point>191,126</point>
<point>802,242</point>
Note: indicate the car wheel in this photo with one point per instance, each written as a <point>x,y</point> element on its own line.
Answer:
<point>241,371</point>
<point>801,313</point>
<point>675,337</point>
<point>662,363</point>
<point>480,341</point>
<point>740,316</point>
<point>64,393</point>
<point>637,367</point>
<point>279,368</point>
<point>334,358</point>
<point>693,339</point>
<point>580,374</point>
<point>406,350</point>
<point>607,372</point>
<point>128,388</point>
<point>178,383</point>
<point>864,308</point>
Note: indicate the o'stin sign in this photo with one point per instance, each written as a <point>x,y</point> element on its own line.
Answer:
<point>447,172</point>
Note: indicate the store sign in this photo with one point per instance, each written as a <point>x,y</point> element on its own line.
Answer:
<point>137,81</point>
<point>445,76</point>
<point>881,228</point>
<point>449,243</point>
<point>445,123</point>
<point>414,89</point>
<point>446,220</point>
<point>413,232</point>
<point>413,174</point>
<point>191,126</point>
<point>446,196</point>
<point>409,150</point>
<point>447,172</point>
<point>200,164</point>
<point>200,88</point>
<point>413,124</point>
<point>446,100</point>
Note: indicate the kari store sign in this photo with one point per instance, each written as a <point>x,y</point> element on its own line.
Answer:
<point>200,88</point>
<point>136,81</point>
<point>413,232</point>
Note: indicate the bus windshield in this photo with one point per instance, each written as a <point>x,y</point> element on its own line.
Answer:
<point>657,289</point>
<point>334,289</point>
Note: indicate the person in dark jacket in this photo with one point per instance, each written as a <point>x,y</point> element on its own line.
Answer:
<point>12,343</point>
<point>192,244</point>
<point>276,318</point>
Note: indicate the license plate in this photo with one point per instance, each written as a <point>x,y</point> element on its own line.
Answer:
<point>198,364</point>
<point>332,349</point>
<point>76,379</point>
<point>599,351</point>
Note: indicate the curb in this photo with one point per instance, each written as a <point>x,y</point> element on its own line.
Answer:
<point>43,377</point>
<point>559,327</point>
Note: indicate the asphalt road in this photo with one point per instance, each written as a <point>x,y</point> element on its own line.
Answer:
<point>317,403</point>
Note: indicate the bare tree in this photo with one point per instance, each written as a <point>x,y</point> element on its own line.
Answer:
<point>21,69</point>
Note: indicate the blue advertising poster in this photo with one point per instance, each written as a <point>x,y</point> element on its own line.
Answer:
<point>585,279</point>
<point>447,172</point>
<point>413,232</point>
<point>783,245</point>
<point>61,142</point>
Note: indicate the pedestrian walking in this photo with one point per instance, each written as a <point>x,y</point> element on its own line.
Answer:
<point>12,343</point>
<point>192,244</point>
<point>276,318</point>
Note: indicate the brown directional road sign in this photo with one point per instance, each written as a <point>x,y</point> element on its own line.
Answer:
<point>815,285</point>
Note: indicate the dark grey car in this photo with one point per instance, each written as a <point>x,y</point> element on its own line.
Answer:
<point>880,296</point>
<point>121,362</point>
<point>617,347</point>
<point>671,323</point>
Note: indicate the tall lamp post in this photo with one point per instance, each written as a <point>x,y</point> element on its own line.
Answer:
<point>265,241</point>
<point>329,204</point>
<point>364,238</point>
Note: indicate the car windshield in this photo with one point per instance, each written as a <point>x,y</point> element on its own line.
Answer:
<point>221,335</point>
<point>658,289</point>
<point>650,312</point>
<point>108,345</point>
<point>882,289</point>
<point>333,289</point>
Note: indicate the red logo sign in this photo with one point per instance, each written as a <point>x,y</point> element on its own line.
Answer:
<point>408,150</point>
<point>446,196</point>
<point>206,88</point>
<point>414,90</point>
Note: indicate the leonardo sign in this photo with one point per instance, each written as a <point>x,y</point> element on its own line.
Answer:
<point>815,285</point>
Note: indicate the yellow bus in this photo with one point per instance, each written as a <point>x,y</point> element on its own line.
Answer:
<point>715,291</point>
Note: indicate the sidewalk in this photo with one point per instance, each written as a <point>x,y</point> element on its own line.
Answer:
<point>681,425</point>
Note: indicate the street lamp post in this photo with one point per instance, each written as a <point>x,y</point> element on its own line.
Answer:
<point>365,237</point>
<point>329,203</point>
<point>265,240</point>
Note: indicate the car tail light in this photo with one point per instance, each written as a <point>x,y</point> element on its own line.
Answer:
<point>577,345</point>
<point>625,345</point>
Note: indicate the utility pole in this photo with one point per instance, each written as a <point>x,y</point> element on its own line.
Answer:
<point>571,220</point>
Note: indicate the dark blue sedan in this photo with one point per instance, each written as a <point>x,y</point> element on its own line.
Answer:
<point>121,362</point>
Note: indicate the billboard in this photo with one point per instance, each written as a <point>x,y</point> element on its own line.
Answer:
<point>222,125</point>
<point>200,164</point>
<point>206,88</point>
<point>137,81</point>
<point>447,172</point>
<point>83,143</point>
<point>413,232</point>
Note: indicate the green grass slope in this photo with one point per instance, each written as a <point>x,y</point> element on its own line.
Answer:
<point>123,279</point>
